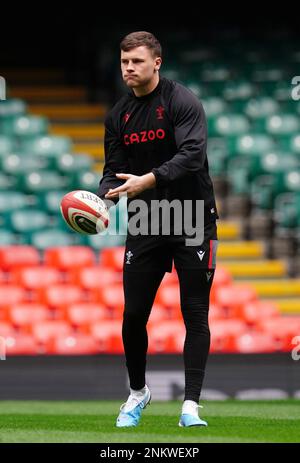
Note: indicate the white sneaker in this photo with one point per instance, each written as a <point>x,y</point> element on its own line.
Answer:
<point>131,410</point>
<point>189,415</point>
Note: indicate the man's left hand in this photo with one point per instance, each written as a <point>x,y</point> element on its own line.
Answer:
<point>134,185</point>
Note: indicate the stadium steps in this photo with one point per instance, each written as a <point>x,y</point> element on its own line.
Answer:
<point>286,287</point>
<point>256,269</point>
<point>70,113</point>
<point>240,250</point>
<point>39,76</point>
<point>53,94</point>
<point>228,230</point>
<point>289,305</point>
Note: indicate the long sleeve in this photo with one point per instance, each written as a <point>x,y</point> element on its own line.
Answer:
<point>115,161</point>
<point>190,131</point>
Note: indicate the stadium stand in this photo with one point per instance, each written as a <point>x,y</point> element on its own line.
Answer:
<point>61,293</point>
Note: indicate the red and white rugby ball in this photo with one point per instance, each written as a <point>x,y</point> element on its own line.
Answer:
<point>84,212</point>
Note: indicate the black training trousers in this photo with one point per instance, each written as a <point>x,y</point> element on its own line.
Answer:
<point>140,290</point>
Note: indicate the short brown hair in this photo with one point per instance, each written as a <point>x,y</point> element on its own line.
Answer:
<point>139,39</point>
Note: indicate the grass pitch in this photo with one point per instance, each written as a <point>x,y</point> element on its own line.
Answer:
<point>94,421</point>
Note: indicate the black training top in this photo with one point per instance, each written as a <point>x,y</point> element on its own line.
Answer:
<point>163,132</point>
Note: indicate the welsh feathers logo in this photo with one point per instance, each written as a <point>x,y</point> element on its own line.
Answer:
<point>126,117</point>
<point>160,112</point>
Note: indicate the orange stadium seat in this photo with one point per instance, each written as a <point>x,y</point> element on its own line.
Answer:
<point>36,277</point>
<point>108,335</point>
<point>84,314</point>
<point>112,257</point>
<point>23,316</point>
<point>69,257</point>
<point>18,256</point>
<point>216,312</point>
<point>93,277</point>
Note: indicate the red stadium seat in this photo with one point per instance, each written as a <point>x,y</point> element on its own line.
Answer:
<point>112,297</point>
<point>69,257</point>
<point>167,337</point>
<point>216,312</point>
<point>283,330</point>
<point>233,297</point>
<point>83,315</point>
<point>168,296</point>
<point>36,277</point>
<point>61,296</point>
<point>10,295</point>
<point>93,277</point>
<point>255,311</point>
<point>108,335</point>
<point>21,344</point>
<point>112,258</point>
<point>224,332</point>
<point>254,342</point>
<point>158,314</point>
<point>222,276</point>
<point>44,331</point>
<point>78,344</point>
<point>6,329</point>
<point>25,315</point>
<point>18,256</point>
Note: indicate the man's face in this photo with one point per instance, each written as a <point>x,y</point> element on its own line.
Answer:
<point>138,66</point>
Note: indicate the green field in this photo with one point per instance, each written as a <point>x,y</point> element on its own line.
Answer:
<point>94,421</point>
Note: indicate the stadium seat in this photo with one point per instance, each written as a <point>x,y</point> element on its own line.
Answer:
<point>74,344</point>
<point>112,258</point>
<point>6,144</point>
<point>44,331</point>
<point>255,343</point>
<point>228,125</point>
<point>233,297</point>
<point>101,241</point>
<point>9,295</point>
<point>25,127</point>
<point>166,337</point>
<point>255,311</point>
<point>85,181</point>
<point>13,200</point>
<point>283,330</point>
<point>69,163</point>
<point>48,146</point>
<point>108,336</point>
<point>6,329</point>
<point>224,333</point>
<point>41,181</point>
<point>94,277</point>
<point>7,182</point>
<point>261,107</point>
<point>23,316</point>
<point>158,314</point>
<point>82,315</point>
<point>60,296</point>
<point>21,344</point>
<point>69,257</point>
<point>18,164</point>
<point>48,238</point>
<point>112,297</point>
<point>36,277</point>
<point>50,200</point>
<point>18,256</point>
<point>282,124</point>
<point>168,296</point>
<point>28,221</point>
